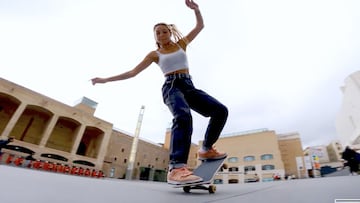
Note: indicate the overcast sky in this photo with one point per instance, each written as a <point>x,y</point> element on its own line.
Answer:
<point>276,64</point>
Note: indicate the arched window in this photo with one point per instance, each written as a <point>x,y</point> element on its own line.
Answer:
<point>268,167</point>
<point>82,162</point>
<point>233,160</point>
<point>267,157</point>
<point>55,156</point>
<point>249,158</point>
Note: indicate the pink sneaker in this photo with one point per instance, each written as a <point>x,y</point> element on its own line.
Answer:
<point>182,175</point>
<point>211,154</point>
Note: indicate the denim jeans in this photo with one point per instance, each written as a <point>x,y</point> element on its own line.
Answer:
<point>180,95</point>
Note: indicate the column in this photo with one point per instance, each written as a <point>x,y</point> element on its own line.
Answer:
<point>48,130</point>
<point>13,120</point>
<point>78,139</point>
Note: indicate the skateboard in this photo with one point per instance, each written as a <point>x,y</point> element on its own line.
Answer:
<point>206,170</point>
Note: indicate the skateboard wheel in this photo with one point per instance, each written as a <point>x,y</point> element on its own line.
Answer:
<point>186,189</point>
<point>212,189</point>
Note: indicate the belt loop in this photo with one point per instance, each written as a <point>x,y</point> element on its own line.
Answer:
<point>178,76</point>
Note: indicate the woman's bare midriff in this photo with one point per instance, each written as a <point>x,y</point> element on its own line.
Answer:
<point>184,71</point>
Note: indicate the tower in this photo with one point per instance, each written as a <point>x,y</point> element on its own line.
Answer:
<point>134,145</point>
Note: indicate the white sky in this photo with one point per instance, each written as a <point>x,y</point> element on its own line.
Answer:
<point>276,64</point>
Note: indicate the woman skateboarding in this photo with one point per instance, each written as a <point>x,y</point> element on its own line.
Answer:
<point>180,95</point>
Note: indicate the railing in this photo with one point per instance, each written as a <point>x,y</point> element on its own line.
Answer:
<point>21,161</point>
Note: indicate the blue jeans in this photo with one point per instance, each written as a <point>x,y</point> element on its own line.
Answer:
<point>180,95</point>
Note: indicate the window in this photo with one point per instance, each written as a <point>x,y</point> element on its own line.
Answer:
<point>82,162</point>
<point>249,168</point>
<point>218,181</point>
<point>232,181</point>
<point>233,160</point>
<point>267,167</point>
<point>233,169</point>
<point>50,156</point>
<point>267,157</point>
<point>249,158</point>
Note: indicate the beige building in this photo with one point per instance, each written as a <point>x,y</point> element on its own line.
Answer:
<point>327,154</point>
<point>52,129</point>
<point>318,151</point>
<point>335,150</point>
<point>324,158</point>
<point>252,155</point>
<point>292,154</point>
<point>193,156</point>
<point>256,154</point>
<point>151,160</point>
<point>72,136</point>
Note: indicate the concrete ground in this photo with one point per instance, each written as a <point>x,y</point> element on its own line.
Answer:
<point>19,185</point>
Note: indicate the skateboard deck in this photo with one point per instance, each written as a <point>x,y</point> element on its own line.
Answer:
<point>206,170</point>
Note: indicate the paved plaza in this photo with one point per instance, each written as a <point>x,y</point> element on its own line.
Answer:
<point>19,185</point>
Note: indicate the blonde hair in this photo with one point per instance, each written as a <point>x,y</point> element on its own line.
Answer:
<point>175,33</point>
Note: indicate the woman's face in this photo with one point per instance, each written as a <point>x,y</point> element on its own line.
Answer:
<point>162,34</point>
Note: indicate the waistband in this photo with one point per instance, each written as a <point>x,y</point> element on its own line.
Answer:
<point>178,76</point>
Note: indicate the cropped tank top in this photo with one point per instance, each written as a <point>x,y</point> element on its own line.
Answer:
<point>174,61</point>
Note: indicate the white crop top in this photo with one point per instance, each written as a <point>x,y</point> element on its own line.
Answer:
<point>174,61</point>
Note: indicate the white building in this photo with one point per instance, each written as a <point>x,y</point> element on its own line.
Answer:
<point>320,152</point>
<point>348,118</point>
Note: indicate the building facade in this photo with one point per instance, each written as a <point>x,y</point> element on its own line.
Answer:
<point>252,156</point>
<point>56,134</point>
<point>151,160</point>
<point>348,117</point>
<point>335,150</point>
<point>324,158</point>
<point>70,135</point>
<point>52,129</point>
<point>292,155</point>
<point>194,148</point>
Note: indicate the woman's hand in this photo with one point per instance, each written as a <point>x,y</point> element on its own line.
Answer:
<point>199,21</point>
<point>98,80</point>
<point>191,4</point>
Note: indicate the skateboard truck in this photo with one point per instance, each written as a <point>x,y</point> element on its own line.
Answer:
<point>211,188</point>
